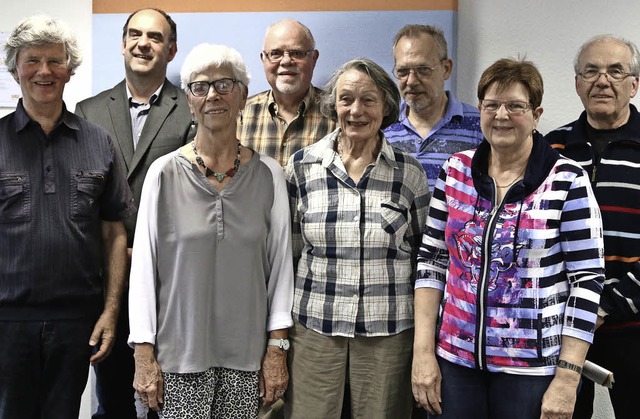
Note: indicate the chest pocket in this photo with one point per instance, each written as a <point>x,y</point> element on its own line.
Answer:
<point>394,217</point>
<point>86,189</point>
<point>15,198</point>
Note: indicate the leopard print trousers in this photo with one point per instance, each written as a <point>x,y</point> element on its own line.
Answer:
<point>218,393</point>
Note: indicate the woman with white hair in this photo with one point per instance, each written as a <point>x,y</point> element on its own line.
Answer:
<point>211,276</point>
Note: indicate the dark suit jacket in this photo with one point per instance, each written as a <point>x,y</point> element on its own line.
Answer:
<point>167,128</point>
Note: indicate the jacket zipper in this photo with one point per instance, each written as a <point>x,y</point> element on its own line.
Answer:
<point>482,287</point>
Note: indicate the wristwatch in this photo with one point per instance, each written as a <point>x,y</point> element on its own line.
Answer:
<point>569,366</point>
<point>280,343</point>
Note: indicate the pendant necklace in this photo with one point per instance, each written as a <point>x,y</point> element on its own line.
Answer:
<point>514,180</point>
<point>218,175</point>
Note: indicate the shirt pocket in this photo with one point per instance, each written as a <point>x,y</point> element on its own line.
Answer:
<point>394,217</point>
<point>86,189</point>
<point>15,197</point>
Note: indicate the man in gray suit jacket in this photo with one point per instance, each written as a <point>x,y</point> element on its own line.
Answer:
<point>148,117</point>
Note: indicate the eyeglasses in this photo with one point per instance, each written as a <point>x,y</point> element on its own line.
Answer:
<point>276,55</point>
<point>222,86</point>
<point>612,74</point>
<point>421,71</point>
<point>513,107</point>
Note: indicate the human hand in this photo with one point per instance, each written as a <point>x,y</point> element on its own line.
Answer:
<point>148,377</point>
<point>104,331</point>
<point>274,376</point>
<point>426,381</point>
<point>559,400</point>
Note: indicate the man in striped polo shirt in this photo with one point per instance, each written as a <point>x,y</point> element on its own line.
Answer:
<point>605,140</point>
<point>433,124</point>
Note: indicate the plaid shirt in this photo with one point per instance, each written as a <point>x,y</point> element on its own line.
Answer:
<point>267,133</point>
<point>355,246</point>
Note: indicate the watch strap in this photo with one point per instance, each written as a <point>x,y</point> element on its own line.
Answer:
<point>280,343</point>
<point>569,366</point>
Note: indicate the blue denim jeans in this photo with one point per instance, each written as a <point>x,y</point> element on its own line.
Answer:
<point>475,394</point>
<point>43,368</point>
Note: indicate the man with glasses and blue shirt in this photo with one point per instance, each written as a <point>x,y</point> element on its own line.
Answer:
<point>433,124</point>
<point>605,140</point>
<point>280,121</point>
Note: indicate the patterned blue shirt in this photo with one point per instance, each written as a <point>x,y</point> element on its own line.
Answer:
<point>459,130</point>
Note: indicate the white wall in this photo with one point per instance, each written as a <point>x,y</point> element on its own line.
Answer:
<point>75,12</point>
<point>548,32</point>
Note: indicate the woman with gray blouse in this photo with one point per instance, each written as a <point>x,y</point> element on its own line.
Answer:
<point>211,278</point>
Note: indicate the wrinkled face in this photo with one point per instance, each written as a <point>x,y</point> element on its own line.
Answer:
<point>289,76</point>
<point>606,101</point>
<point>421,92</point>
<point>146,47</point>
<point>215,111</point>
<point>42,73</point>
<point>506,131</point>
<point>359,105</point>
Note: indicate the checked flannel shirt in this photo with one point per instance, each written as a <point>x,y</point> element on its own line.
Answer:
<point>355,245</point>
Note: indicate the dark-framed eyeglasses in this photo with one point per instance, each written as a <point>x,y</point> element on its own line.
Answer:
<point>612,74</point>
<point>221,86</point>
<point>276,55</point>
<point>513,107</point>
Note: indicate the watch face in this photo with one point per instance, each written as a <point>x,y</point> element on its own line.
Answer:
<point>284,344</point>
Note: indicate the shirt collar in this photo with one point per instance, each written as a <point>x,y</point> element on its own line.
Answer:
<point>454,110</point>
<point>23,119</point>
<point>302,107</point>
<point>152,99</point>
<point>324,151</point>
<point>579,132</point>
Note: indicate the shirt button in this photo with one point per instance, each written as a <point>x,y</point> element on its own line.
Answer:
<point>356,218</point>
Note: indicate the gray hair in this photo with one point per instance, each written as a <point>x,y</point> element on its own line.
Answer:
<point>414,31</point>
<point>42,30</point>
<point>380,78</point>
<point>304,28</point>
<point>634,65</point>
<point>204,56</point>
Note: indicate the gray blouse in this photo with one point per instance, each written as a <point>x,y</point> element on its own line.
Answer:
<point>211,271</point>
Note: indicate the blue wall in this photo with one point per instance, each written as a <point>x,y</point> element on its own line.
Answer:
<point>340,36</point>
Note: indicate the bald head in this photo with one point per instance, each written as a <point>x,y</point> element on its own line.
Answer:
<point>289,57</point>
<point>289,25</point>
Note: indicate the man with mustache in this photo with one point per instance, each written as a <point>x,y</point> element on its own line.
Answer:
<point>148,117</point>
<point>605,140</point>
<point>280,121</point>
<point>433,124</point>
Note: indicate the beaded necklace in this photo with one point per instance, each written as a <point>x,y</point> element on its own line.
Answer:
<point>218,175</point>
